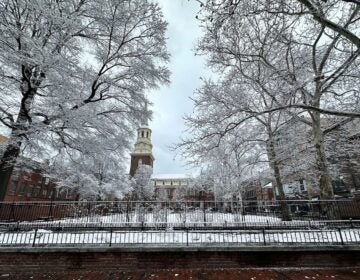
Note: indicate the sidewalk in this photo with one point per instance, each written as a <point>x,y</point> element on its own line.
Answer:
<point>185,274</point>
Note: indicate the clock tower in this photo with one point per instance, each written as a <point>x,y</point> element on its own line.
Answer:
<point>142,153</point>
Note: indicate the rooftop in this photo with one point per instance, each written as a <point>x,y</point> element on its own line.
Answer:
<point>170,176</point>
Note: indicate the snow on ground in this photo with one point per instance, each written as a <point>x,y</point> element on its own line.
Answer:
<point>170,219</point>
<point>44,236</point>
<point>163,219</point>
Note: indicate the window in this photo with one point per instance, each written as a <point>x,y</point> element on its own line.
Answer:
<point>43,181</point>
<point>13,187</point>
<point>147,134</point>
<point>302,185</point>
<point>37,191</point>
<point>68,194</point>
<point>142,134</point>
<point>30,190</point>
<point>17,172</point>
<point>21,189</point>
<point>44,191</point>
<point>50,193</point>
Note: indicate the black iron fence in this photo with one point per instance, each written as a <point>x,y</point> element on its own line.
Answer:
<point>183,223</point>
<point>117,238</point>
<point>189,213</point>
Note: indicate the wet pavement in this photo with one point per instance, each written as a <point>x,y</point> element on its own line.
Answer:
<point>208,274</point>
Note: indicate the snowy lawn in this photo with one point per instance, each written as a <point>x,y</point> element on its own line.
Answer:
<point>171,219</point>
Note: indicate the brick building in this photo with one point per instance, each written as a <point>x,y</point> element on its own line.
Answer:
<point>27,182</point>
<point>296,156</point>
<point>170,186</point>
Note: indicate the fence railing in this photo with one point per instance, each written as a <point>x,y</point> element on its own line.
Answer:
<point>113,238</point>
<point>182,223</point>
<point>180,213</point>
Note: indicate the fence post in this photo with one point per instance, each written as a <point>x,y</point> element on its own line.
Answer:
<point>166,214</point>
<point>50,209</point>
<point>111,231</point>
<point>341,238</point>
<point>33,244</point>
<point>127,212</point>
<point>88,211</point>
<point>12,211</point>
<point>187,237</point>
<point>263,232</point>
<point>204,210</point>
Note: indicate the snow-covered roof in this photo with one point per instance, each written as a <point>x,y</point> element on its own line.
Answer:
<point>169,176</point>
<point>269,185</point>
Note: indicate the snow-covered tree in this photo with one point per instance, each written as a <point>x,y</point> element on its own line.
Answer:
<point>92,177</point>
<point>143,187</point>
<point>74,73</point>
<point>180,194</point>
<point>226,130</point>
<point>304,67</point>
<point>321,11</point>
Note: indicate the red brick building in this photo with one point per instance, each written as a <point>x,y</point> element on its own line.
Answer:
<point>29,184</point>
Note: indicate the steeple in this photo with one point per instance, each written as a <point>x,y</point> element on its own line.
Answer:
<point>142,153</point>
<point>143,143</point>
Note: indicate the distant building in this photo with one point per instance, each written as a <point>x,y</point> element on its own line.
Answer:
<point>258,189</point>
<point>27,183</point>
<point>171,186</point>
<point>167,186</point>
<point>297,158</point>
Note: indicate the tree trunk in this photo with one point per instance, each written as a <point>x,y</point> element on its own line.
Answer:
<point>12,151</point>
<point>275,167</point>
<point>6,167</point>
<point>325,186</point>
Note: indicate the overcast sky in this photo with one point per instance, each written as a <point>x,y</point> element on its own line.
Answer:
<point>172,103</point>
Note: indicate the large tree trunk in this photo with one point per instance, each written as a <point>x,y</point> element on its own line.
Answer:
<point>325,186</point>
<point>274,164</point>
<point>12,151</point>
<point>7,165</point>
